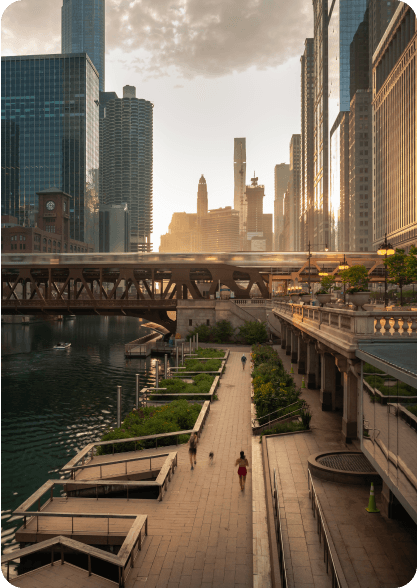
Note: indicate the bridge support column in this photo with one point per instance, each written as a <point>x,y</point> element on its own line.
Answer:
<point>288,341</point>
<point>294,346</point>
<point>283,335</point>
<point>313,366</point>
<point>328,382</point>
<point>350,407</point>
<point>302,355</point>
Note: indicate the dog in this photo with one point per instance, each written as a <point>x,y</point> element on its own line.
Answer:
<point>211,457</point>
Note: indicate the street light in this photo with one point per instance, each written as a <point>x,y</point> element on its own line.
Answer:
<point>385,249</point>
<point>343,266</point>
<point>322,272</point>
<point>309,257</point>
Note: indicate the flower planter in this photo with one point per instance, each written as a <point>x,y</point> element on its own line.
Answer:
<point>323,298</point>
<point>359,298</point>
<point>294,298</point>
<point>306,298</point>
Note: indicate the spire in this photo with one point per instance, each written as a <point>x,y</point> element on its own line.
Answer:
<point>202,179</point>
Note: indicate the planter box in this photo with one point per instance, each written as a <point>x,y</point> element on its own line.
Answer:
<point>323,298</point>
<point>359,298</point>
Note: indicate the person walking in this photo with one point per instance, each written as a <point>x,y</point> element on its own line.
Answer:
<point>242,462</point>
<point>243,360</point>
<point>192,451</point>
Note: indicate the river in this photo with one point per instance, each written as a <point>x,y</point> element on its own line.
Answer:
<point>56,401</point>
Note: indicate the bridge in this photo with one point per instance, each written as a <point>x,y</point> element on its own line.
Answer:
<point>148,285</point>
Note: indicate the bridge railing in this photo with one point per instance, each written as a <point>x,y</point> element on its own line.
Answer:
<point>375,323</point>
<point>252,302</point>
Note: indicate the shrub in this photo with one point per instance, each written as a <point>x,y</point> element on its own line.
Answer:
<point>289,427</point>
<point>209,352</point>
<point>201,385</point>
<point>211,365</point>
<point>222,331</point>
<point>204,334</point>
<point>253,332</point>
<point>178,415</point>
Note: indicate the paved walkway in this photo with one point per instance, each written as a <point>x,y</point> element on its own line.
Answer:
<point>375,552</point>
<point>214,549</point>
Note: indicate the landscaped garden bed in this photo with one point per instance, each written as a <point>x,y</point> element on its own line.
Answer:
<point>201,387</point>
<point>178,415</point>
<point>275,394</point>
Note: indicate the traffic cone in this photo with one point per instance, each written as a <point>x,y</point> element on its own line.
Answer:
<point>291,370</point>
<point>303,384</point>
<point>372,504</point>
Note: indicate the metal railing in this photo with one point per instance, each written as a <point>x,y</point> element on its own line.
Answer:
<point>329,552</point>
<point>273,412</point>
<point>278,535</point>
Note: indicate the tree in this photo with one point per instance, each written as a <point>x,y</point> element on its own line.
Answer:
<point>400,270</point>
<point>253,332</point>
<point>357,278</point>
<point>411,262</point>
<point>326,283</point>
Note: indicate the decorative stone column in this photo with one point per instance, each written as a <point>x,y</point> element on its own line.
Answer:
<point>313,365</point>
<point>294,345</point>
<point>351,379</point>
<point>302,354</point>
<point>328,381</point>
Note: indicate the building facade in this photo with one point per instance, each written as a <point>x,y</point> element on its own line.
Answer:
<point>281,177</point>
<point>114,228</point>
<point>83,31</point>
<point>294,191</point>
<point>184,234</point>
<point>126,163</point>
<point>239,200</point>
<point>220,230</point>
<point>51,233</point>
<point>202,198</point>
<point>306,233</point>
<point>394,132</point>
<point>50,136</point>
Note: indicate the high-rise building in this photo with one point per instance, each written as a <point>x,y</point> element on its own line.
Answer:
<point>239,202</point>
<point>255,194</point>
<point>394,132</point>
<point>359,57</point>
<point>220,230</point>
<point>321,124</point>
<point>281,177</point>
<point>268,232</point>
<point>114,228</point>
<point>360,179</point>
<point>307,147</point>
<point>50,123</point>
<point>294,189</point>
<point>202,198</point>
<point>126,162</point>
<point>184,234</point>
<point>83,31</point>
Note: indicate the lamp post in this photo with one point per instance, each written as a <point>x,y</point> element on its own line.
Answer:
<point>385,249</point>
<point>342,267</point>
<point>309,258</point>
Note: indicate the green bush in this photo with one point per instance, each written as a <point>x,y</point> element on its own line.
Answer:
<point>221,332</point>
<point>201,385</point>
<point>204,333</point>
<point>209,352</point>
<point>412,409</point>
<point>178,415</point>
<point>289,427</point>
<point>370,369</point>
<point>194,365</point>
<point>253,332</point>
<point>401,389</point>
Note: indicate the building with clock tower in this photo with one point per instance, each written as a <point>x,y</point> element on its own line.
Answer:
<point>52,232</point>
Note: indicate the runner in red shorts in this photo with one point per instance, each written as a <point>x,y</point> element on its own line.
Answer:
<point>242,462</point>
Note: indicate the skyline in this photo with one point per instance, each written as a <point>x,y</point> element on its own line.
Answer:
<point>206,111</point>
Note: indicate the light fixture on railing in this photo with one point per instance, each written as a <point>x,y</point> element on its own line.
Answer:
<point>322,272</point>
<point>343,265</point>
<point>385,249</point>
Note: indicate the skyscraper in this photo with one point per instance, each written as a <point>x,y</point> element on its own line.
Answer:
<point>202,198</point>
<point>281,177</point>
<point>83,31</point>
<point>294,195</point>
<point>51,136</point>
<point>126,162</point>
<point>307,146</point>
<point>220,230</point>
<point>239,167</point>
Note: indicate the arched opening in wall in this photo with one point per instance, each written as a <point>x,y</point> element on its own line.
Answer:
<point>203,279</point>
<point>242,279</point>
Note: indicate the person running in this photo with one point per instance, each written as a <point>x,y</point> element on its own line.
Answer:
<point>242,462</point>
<point>243,360</point>
<point>192,451</point>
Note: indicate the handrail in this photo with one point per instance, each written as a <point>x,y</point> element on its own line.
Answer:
<point>274,411</point>
<point>126,552</point>
<point>278,535</point>
<point>338,577</point>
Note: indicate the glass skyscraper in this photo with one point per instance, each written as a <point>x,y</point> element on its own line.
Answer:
<point>82,31</point>
<point>50,136</point>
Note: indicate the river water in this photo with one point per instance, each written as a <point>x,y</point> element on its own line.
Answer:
<point>55,402</point>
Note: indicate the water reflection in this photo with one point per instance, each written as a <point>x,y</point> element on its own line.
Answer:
<point>56,401</point>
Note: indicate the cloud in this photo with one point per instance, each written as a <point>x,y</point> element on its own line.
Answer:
<point>209,38</point>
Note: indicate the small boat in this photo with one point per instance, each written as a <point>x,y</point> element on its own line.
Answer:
<point>62,345</point>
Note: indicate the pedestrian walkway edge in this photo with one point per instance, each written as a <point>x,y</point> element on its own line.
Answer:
<point>261,555</point>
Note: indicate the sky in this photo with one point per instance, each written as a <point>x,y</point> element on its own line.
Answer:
<point>214,70</point>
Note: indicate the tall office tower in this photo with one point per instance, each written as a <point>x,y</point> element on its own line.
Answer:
<point>394,131</point>
<point>184,234</point>
<point>220,230</point>
<point>127,162</point>
<point>307,146</point>
<point>360,179</point>
<point>202,198</point>
<point>82,31</point>
<point>268,233</point>
<point>321,125</point>
<point>344,20</point>
<point>294,187</point>
<point>114,228</point>
<point>380,14</point>
<point>281,177</point>
<point>239,202</point>
<point>255,223</point>
<point>51,120</point>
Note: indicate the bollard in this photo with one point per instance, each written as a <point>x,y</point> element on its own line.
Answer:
<point>190,346</point>
<point>166,366</point>
<point>119,407</point>
<point>157,374</point>
<point>182,353</point>
<point>196,342</point>
<point>177,350</point>
<point>137,391</point>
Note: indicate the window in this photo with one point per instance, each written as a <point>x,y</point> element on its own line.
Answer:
<point>190,322</point>
<point>208,322</point>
